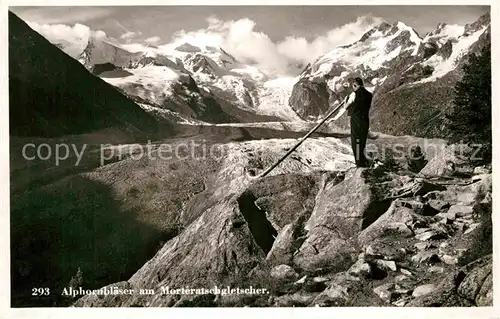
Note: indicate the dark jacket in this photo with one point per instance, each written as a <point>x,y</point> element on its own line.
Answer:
<point>360,108</point>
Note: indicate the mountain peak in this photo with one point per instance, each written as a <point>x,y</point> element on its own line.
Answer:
<point>477,25</point>
<point>401,25</point>
<point>187,47</point>
<point>383,26</point>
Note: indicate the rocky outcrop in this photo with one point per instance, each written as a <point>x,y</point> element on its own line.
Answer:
<point>427,49</point>
<point>398,220</point>
<point>217,249</point>
<point>451,160</point>
<point>99,51</point>
<point>352,230</point>
<point>342,210</point>
<point>415,73</point>
<point>446,50</point>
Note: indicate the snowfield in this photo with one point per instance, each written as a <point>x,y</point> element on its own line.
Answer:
<point>151,83</point>
<point>273,98</point>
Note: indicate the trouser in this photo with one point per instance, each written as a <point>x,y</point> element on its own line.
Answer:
<point>359,134</point>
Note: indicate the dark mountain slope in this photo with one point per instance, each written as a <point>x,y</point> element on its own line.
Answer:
<point>51,94</point>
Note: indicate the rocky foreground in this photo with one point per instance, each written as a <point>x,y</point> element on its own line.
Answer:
<point>351,237</point>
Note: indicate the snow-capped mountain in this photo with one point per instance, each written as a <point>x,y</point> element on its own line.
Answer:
<point>374,52</point>
<point>184,79</point>
<point>195,83</point>
<point>453,45</point>
<point>395,63</point>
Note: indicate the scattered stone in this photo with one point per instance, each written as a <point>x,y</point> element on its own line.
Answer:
<point>421,230</point>
<point>448,160</point>
<point>450,260</point>
<point>340,290</point>
<point>405,285</point>
<point>466,221</point>
<point>434,195</point>
<point>382,250</point>
<point>401,302</point>
<point>402,291</point>
<point>430,235</point>
<point>413,204</point>
<point>360,269</point>
<point>472,283</point>
<point>301,280</point>
<point>459,226</point>
<point>436,269</point>
<point>443,229</point>
<point>487,198</point>
<point>425,186</point>
<point>485,296</point>
<point>387,265</point>
<point>418,224</point>
<point>450,215</point>
<point>423,290</point>
<point>394,223</point>
<point>446,221</point>
<point>320,279</point>
<point>425,257</point>
<point>446,293</point>
<point>372,253</point>
<point>481,170</point>
<point>460,210</point>
<point>298,299</point>
<point>310,285</point>
<point>449,254</point>
<point>438,204</point>
<point>384,291</point>
<point>480,177</point>
<point>284,272</point>
<point>406,272</point>
<point>443,247</point>
<point>428,210</point>
<point>399,278</point>
<point>463,194</point>
<point>471,228</point>
<point>423,245</point>
<point>416,187</point>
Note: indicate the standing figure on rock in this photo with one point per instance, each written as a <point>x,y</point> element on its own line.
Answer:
<point>358,106</point>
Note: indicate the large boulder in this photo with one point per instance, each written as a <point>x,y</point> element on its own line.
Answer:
<point>285,197</point>
<point>397,220</point>
<point>342,211</point>
<point>346,290</point>
<point>450,160</point>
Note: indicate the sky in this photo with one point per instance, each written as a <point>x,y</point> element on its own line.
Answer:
<point>270,35</point>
